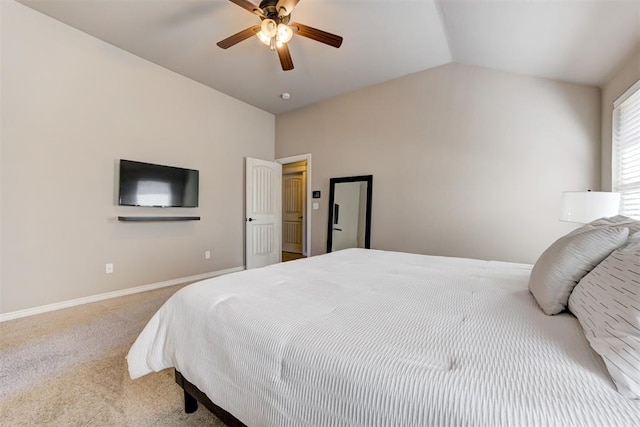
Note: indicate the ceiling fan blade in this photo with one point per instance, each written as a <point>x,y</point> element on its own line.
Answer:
<point>285,57</point>
<point>315,34</point>
<point>238,37</point>
<point>246,4</point>
<point>285,7</point>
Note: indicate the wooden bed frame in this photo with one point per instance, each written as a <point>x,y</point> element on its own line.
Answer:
<point>193,395</point>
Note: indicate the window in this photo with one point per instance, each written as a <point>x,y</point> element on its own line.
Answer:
<point>626,151</point>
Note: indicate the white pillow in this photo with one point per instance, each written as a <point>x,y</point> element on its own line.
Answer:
<point>568,260</point>
<point>607,304</point>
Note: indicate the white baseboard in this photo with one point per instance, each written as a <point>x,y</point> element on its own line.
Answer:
<point>94,298</point>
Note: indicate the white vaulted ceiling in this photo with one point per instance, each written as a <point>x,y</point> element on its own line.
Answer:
<point>578,41</point>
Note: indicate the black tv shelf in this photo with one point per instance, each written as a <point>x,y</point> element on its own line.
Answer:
<point>158,218</point>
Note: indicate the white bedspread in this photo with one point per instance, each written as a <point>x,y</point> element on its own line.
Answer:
<point>372,338</point>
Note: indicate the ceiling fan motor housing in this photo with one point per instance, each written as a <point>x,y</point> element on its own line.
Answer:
<point>270,11</point>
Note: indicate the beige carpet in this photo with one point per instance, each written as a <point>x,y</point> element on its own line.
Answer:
<point>68,368</point>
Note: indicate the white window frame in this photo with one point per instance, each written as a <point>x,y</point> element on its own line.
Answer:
<point>625,151</point>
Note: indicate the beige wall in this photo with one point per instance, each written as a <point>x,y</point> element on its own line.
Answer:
<point>466,161</point>
<point>622,79</point>
<point>72,106</point>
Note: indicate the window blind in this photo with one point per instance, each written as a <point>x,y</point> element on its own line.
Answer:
<point>626,151</point>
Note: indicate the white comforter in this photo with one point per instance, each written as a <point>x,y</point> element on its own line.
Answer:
<point>372,338</point>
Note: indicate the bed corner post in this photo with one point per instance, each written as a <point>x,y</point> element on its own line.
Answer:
<point>190,402</point>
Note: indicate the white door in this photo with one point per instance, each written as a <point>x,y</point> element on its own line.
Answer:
<point>293,189</point>
<point>302,163</point>
<point>263,218</point>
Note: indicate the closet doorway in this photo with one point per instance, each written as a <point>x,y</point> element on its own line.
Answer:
<point>296,205</point>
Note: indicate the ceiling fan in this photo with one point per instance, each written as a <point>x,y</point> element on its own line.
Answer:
<point>275,30</point>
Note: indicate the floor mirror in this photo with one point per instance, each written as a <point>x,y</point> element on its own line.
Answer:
<point>350,212</point>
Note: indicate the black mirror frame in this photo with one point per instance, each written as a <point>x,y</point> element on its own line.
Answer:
<point>332,184</point>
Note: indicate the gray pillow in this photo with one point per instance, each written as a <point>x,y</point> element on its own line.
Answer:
<point>618,221</point>
<point>607,304</point>
<point>568,260</point>
<point>614,221</point>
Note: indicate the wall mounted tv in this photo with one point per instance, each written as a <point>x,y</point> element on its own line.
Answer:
<point>146,184</point>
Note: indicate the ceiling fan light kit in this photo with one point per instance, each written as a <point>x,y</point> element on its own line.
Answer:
<point>274,35</point>
<point>275,31</point>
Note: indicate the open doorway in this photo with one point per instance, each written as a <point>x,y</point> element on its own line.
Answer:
<point>296,206</point>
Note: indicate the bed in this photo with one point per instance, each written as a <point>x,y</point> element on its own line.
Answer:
<point>374,338</point>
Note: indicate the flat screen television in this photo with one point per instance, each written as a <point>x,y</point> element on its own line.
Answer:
<point>146,184</point>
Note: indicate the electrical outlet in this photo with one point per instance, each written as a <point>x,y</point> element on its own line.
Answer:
<point>207,254</point>
<point>108,268</point>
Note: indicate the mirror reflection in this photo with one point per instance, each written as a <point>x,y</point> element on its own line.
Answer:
<point>349,213</point>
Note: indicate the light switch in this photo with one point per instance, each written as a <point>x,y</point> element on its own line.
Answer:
<point>316,206</point>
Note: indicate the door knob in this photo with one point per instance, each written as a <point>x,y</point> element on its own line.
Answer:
<point>250,219</point>
<point>337,229</point>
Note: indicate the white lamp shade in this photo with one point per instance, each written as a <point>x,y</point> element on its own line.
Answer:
<point>587,206</point>
<point>263,38</point>
<point>285,33</point>
<point>269,27</point>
